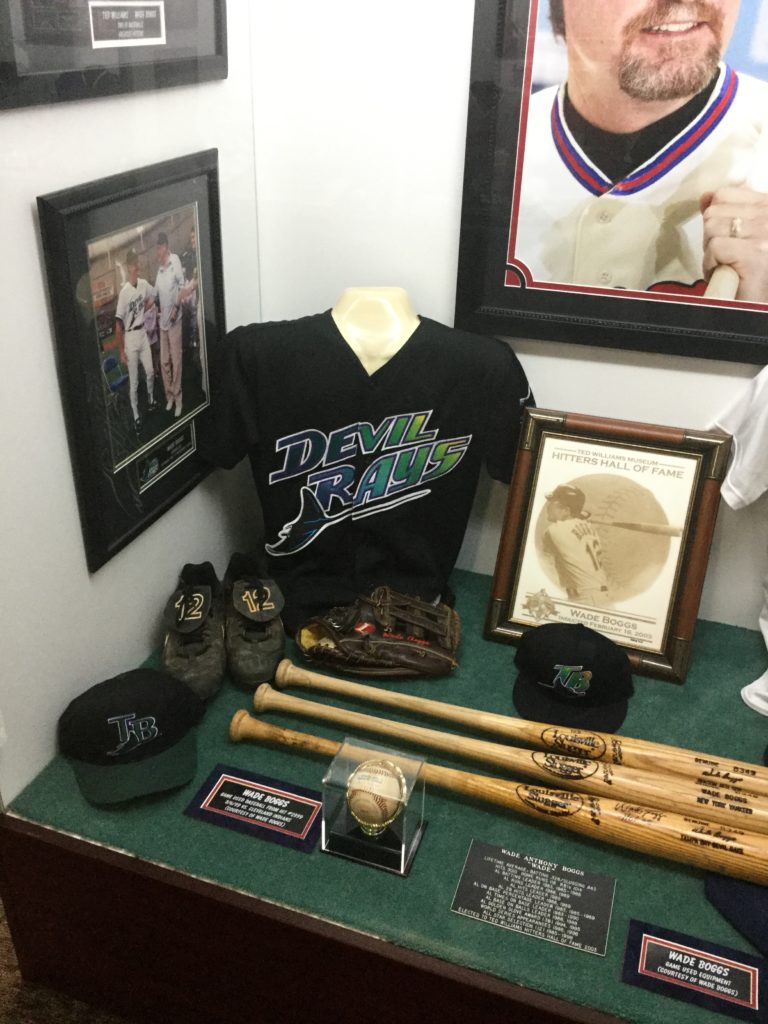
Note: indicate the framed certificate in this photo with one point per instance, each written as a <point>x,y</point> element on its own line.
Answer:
<point>609,524</point>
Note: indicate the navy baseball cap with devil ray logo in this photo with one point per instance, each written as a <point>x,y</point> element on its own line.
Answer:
<point>570,675</point>
<point>131,735</point>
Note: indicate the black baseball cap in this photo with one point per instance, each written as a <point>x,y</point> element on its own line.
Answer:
<point>131,735</point>
<point>162,238</point>
<point>743,904</point>
<point>571,675</point>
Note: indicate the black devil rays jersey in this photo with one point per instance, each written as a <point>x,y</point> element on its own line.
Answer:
<point>364,480</point>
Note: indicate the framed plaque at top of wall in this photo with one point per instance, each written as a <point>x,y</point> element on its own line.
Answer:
<point>54,50</point>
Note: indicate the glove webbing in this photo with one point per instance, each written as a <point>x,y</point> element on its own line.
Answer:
<point>421,618</point>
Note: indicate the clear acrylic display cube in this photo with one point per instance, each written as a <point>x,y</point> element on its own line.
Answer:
<point>388,837</point>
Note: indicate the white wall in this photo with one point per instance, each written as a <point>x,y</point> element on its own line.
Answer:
<point>63,629</point>
<point>341,138</point>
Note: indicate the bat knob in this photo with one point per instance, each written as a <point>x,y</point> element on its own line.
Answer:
<point>282,673</point>
<point>235,725</point>
<point>261,696</point>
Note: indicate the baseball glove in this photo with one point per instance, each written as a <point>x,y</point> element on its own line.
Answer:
<point>384,634</point>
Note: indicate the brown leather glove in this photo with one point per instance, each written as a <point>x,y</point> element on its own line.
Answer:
<point>384,634</point>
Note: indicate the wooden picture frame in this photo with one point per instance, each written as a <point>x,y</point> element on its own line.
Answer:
<point>134,453</point>
<point>510,278</point>
<point>57,50</point>
<point>609,524</point>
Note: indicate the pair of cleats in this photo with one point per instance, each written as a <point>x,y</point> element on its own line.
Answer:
<point>171,403</point>
<point>213,626</point>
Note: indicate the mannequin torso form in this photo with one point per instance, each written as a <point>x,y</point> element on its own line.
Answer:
<point>375,323</point>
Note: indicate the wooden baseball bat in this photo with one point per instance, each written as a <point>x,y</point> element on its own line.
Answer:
<point>673,793</point>
<point>690,841</point>
<point>723,284</point>
<point>711,771</point>
<point>724,281</point>
<point>662,529</point>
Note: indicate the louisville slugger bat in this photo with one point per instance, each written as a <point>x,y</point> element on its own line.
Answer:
<point>673,793</point>
<point>596,746</point>
<point>690,841</point>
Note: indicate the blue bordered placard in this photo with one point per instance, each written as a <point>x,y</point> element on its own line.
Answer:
<point>260,806</point>
<point>696,971</point>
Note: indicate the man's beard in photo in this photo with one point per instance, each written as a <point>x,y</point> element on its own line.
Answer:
<point>679,70</point>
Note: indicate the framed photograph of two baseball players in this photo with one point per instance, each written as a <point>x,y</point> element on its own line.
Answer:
<point>609,524</point>
<point>136,290</point>
<point>54,50</point>
<point>616,176</point>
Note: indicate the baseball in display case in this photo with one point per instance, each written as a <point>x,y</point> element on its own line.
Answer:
<point>373,806</point>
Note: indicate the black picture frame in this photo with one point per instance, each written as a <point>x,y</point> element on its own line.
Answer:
<point>647,498</point>
<point>57,50</point>
<point>128,474</point>
<point>494,296</point>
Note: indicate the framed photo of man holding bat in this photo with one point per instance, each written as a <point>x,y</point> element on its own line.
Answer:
<point>609,524</point>
<point>616,175</point>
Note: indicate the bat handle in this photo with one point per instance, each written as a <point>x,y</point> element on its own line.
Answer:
<point>245,727</point>
<point>284,673</point>
<point>288,674</point>
<point>238,726</point>
<point>723,284</point>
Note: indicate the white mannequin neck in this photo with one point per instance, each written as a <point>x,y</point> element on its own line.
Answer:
<point>375,323</point>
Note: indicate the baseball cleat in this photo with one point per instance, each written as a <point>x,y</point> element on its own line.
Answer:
<point>194,642</point>
<point>255,638</point>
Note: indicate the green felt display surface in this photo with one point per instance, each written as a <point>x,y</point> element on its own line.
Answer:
<point>705,713</point>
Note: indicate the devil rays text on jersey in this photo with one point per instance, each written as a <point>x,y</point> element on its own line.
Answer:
<point>338,486</point>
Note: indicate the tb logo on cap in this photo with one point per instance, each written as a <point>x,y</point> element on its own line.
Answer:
<point>572,678</point>
<point>133,731</point>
